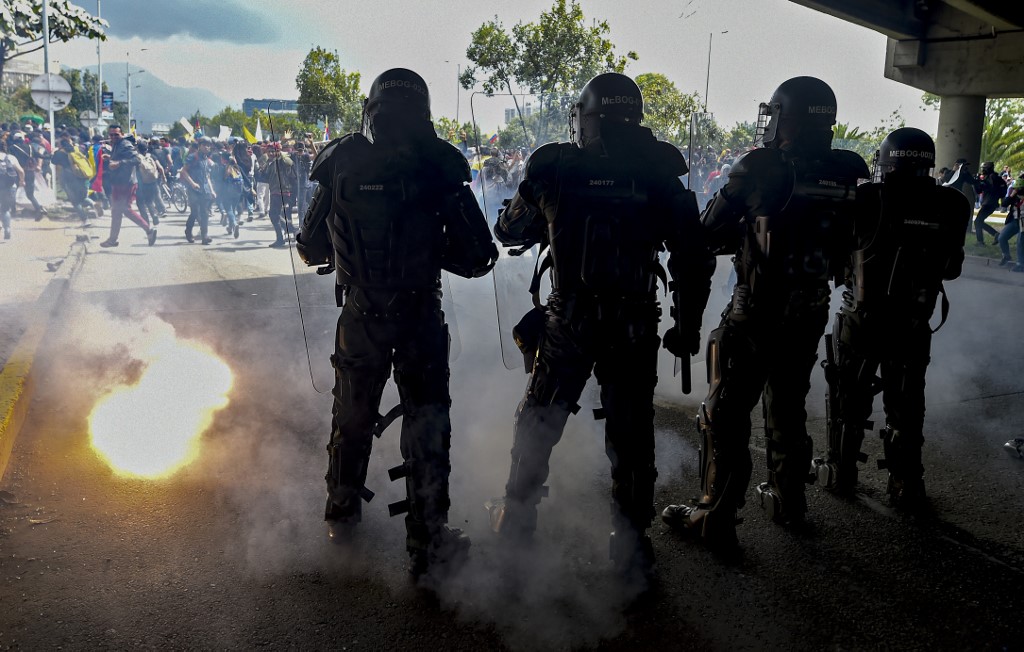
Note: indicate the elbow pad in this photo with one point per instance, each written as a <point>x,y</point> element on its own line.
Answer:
<point>313,242</point>
<point>468,249</point>
<point>517,223</point>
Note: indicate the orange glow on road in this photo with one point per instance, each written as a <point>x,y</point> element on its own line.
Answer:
<point>152,429</point>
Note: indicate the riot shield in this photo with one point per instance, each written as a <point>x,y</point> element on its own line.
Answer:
<point>506,129</point>
<point>708,151</point>
<point>285,124</point>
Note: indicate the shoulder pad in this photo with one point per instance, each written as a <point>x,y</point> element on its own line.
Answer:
<point>756,162</point>
<point>320,165</point>
<point>454,166</point>
<point>854,161</point>
<point>671,158</point>
<point>544,157</point>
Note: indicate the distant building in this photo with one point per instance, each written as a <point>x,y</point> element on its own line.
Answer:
<point>19,73</point>
<point>511,114</point>
<point>269,106</point>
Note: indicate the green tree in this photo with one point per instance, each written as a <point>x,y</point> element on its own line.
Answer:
<point>552,57</point>
<point>234,118</point>
<point>21,26</point>
<point>17,104</point>
<point>741,136</point>
<point>846,136</point>
<point>1002,141</point>
<point>83,95</point>
<point>560,52</point>
<point>667,110</point>
<point>326,89</point>
<point>542,126</point>
<point>452,131</point>
<point>494,56</point>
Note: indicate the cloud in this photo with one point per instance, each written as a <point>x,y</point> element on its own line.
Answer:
<point>205,20</point>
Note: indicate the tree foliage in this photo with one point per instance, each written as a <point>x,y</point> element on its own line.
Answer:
<point>1002,142</point>
<point>452,131</point>
<point>552,57</point>
<point>560,52</point>
<point>21,26</point>
<point>741,136</point>
<point>667,110</point>
<point>83,95</point>
<point>327,90</point>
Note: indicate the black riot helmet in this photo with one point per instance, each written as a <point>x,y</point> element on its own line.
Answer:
<point>906,152</point>
<point>397,107</point>
<point>799,116</point>
<point>606,102</point>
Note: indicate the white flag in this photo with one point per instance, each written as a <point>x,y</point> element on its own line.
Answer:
<point>259,131</point>
<point>184,123</point>
<point>225,133</point>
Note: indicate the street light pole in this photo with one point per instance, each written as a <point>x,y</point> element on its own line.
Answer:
<point>458,91</point>
<point>99,71</point>
<point>707,81</point>
<point>128,84</point>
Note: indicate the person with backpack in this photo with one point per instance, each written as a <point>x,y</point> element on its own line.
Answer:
<point>11,176</point>
<point>28,159</point>
<point>120,173</point>
<point>992,188</point>
<point>231,182</point>
<point>149,174</point>
<point>75,172</point>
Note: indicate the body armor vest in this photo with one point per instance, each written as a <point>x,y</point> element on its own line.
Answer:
<point>802,244</point>
<point>387,229</point>
<point>908,238</point>
<point>603,232</point>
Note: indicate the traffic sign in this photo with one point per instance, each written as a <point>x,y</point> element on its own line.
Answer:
<point>50,92</point>
<point>88,118</point>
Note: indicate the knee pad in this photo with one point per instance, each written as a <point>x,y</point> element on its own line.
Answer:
<point>424,386</point>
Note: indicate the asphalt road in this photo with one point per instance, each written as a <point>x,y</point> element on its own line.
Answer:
<point>230,552</point>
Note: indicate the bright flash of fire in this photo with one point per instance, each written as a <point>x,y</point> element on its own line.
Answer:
<point>152,429</point>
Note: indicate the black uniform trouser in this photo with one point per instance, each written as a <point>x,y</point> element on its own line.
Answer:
<point>900,349</point>
<point>622,349</point>
<point>769,356</point>
<point>980,226</point>
<point>366,350</point>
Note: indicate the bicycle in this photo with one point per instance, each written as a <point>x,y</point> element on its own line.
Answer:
<point>173,193</point>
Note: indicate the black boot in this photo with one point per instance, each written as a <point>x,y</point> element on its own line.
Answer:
<point>438,551</point>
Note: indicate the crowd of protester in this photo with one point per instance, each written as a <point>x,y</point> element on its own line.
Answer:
<point>990,191</point>
<point>135,176</point>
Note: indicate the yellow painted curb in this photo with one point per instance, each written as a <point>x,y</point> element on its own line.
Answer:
<point>16,381</point>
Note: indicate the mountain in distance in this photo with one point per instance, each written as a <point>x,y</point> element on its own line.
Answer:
<point>155,100</point>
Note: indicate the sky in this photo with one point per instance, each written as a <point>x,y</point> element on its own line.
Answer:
<point>255,49</point>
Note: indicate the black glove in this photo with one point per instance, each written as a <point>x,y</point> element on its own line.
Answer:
<point>682,346</point>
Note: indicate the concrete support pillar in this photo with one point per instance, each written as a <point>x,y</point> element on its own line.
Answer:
<point>961,123</point>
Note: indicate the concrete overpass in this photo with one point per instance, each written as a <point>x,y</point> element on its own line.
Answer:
<point>964,51</point>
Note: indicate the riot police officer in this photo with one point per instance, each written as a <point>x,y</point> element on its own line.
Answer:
<point>908,239</point>
<point>605,204</point>
<point>785,213</point>
<point>392,209</point>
